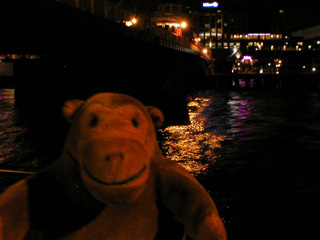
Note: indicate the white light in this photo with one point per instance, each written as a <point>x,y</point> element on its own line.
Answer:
<point>210,4</point>
<point>128,23</point>
<point>183,24</point>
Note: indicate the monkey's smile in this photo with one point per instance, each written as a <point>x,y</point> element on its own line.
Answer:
<point>136,176</point>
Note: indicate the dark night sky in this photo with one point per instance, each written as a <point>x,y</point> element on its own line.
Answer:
<point>298,15</point>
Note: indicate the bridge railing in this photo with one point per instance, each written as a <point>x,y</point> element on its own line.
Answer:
<point>115,12</point>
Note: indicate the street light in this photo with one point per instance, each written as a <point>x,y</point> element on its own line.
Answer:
<point>134,20</point>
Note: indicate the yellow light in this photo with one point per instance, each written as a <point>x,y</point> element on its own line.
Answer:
<point>183,24</point>
<point>190,144</point>
<point>128,23</point>
<point>134,20</point>
<point>205,51</point>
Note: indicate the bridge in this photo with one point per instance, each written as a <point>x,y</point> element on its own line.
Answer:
<point>80,52</point>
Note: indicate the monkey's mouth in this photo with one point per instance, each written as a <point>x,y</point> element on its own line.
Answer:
<point>115,183</point>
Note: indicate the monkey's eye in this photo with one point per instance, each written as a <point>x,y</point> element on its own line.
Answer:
<point>94,121</point>
<point>135,123</point>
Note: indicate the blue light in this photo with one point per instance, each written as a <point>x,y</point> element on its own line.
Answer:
<point>210,4</point>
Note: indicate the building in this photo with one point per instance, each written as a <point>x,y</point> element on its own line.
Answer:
<point>229,26</point>
<point>310,36</point>
<point>170,17</point>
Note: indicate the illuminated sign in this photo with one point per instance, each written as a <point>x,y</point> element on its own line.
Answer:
<point>210,4</point>
<point>246,57</point>
<point>259,34</point>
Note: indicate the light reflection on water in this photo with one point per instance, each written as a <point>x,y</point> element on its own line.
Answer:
<point>257,153</point>
<point>193,145</point>
<point>16,150</point>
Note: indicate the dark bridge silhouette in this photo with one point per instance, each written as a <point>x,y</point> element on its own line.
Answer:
<point>84,53</point>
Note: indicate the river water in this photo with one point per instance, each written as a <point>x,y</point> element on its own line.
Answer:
<point>256,152</point>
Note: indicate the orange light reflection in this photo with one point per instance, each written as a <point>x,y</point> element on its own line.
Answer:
<point>193,146</point>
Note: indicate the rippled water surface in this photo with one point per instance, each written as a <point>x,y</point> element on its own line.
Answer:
<point>257,153</point>
<point>16,149</point>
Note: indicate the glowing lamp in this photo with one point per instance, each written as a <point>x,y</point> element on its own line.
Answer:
<point>205,51</point>
<point>128,23</point>
<point>248,58</point>
<point>183,24</point>
<point>210,4</point>
<point>134,21</point>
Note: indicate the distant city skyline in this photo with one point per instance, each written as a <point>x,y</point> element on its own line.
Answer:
<point>298,15</point>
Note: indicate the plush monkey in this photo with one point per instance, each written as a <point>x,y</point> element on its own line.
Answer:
<point>111,182</point>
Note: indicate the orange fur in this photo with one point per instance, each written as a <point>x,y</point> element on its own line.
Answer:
<point>112,169</point>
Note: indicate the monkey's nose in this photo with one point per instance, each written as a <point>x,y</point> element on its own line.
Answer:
<point>114,157</point>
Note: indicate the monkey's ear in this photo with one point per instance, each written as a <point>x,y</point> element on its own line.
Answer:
<point>70,107</point>
<point>156,116</point>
